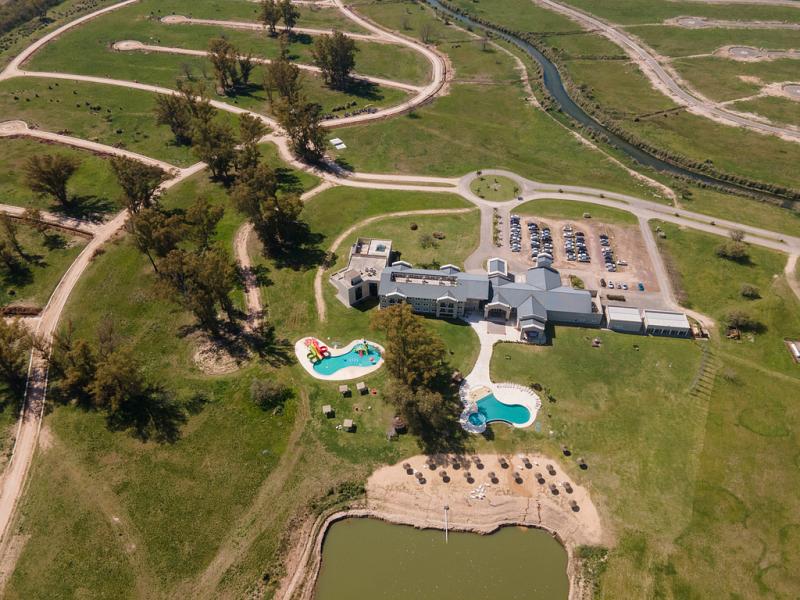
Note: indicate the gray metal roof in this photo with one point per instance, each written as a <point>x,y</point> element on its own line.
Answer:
<point>531,308</point>
<point>468,286</point>
<point>544,278</point>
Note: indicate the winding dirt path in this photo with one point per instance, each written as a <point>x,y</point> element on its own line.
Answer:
<point>135,46</point>
<point>664,79</point>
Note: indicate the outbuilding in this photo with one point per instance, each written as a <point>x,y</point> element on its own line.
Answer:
<point>624,318</point>
<point>660,322</point>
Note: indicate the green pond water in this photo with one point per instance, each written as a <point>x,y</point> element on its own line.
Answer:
<point>371,559</point>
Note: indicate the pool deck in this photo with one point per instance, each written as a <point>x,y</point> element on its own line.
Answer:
<point>346,374</point>
<point>479,377</point>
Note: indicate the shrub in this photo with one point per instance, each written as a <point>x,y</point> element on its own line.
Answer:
<point>749,291</point>
<point>426,240</point>
<point>413,226</point>
<point>268,394</point>
<point>439,235</point>
<point>742,321</point>
<point>733,250</point>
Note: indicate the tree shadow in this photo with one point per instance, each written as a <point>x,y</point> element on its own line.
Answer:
<point>17,274</point>
<point>301,38</point>
<point>54,241</point>
<point>303,252</point>
<point>87,208</point>
<point>288,181</point>
<point>364,89</point>
<point>152,415</point>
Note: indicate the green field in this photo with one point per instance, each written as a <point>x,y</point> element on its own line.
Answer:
<point>103,113</point>
<point>777,110</point>
<point>42,260</point>
<point>677,41</point>
<point>87,49</point>
<point>495,188</point>
<point>567,209</point>
<point>713,285</point>
<point>94,184</point>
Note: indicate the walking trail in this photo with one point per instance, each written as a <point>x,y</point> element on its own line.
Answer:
<point>664,79</point>
<point>13,479</point>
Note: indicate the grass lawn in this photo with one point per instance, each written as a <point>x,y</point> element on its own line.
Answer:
<point>712,285</point>
<point>678,41</point>
<point>45,258</point>
<point>720,78</point>
<point>103,113</point>
<point>94,182</point>
<point>460,231</point>
<point>744,210</point>
<point>777,110</point>
<point>87,49</point>
<point>584,45</point>
<point>642,11</point>
<point>618,86</point>
<point>567,209</point>
<point>494,187</point>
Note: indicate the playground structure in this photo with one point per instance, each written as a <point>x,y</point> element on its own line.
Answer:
<point>317,350</point>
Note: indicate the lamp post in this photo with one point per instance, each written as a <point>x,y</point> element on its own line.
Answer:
<point>446,508</point>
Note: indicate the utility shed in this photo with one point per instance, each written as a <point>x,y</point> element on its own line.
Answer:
<point>659,322</point>
<point>624,318</point>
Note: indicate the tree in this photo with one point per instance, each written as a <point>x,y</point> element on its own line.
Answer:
<point>749,291</point>
<point>172,110</point>
<point>15,344</point>
<point>139,182</point>
<point>425,411</point>
<point>415,356</point>
<point>270,15</point>
<point>50,174</point>
<point>289,14</point>
<point>202,218</point>
<point>335,55</point>
<point>251,130</point>
<point>733,250</point>
<point>737,235</point>
<point>156,233</point>
<point>246,66</point>
<point>742,320</point>
<point>302,121</point>
<point>215,144</point>
<point>118,381</point>
<point>74,362</point>
<point>197,104</point>
<point>9,257</point>
<point>283,76</point>
<point>10,228</point>
<point>224,58</point>
<point>274,216</point>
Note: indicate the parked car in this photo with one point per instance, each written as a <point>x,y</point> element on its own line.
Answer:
<point>641,286</point>
<point>611,285</point>
<point>602,282</point>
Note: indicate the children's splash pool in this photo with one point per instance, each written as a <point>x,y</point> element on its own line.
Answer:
<point>356,357</point>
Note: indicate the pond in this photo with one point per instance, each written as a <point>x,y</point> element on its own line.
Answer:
<point>368,558</point>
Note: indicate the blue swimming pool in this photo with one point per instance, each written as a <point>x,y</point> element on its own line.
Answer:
<point>331,364</point>
<point>491,409</point>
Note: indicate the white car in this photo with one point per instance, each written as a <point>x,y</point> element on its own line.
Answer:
<point>611,285</point>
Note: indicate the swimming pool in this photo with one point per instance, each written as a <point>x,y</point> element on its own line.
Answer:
<point>491,409</point>
<point>332,364</point>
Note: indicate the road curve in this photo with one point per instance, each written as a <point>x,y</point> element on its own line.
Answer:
<point>30,421</point>
<point>135,46</point>
<point>664,81</point>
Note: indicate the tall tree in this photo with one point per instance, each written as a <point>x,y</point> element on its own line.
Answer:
<point>15,344</point>
<point>73,364</point>
<point>139,182</point>
<point>246,65</point>
<point>289,14</point>
<point>224,58</point>
<point>335,55</point>
<point>172,110</point>
<point>117,381</point>
<point>202,218</point>
<point>270,15</point>
<point>283,76</point>
<point>274,215</point>
<point>415,356</point>
<point>50,174</point>
<point>10,228</point>
<point>156,233</point>
<point>302,121</point>
<point>251,130</point>
<point>215,144</point>
<point>425,411</point>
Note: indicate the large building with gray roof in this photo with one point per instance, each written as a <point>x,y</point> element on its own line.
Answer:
<point>531,303</point>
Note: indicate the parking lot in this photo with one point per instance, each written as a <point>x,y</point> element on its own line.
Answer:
<point>596,252</point>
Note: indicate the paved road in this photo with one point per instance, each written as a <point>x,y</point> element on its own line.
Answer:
<point>664,81</point>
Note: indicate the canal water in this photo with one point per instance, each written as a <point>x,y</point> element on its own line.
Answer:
<point>554,84</point>
<point>373,560</point>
